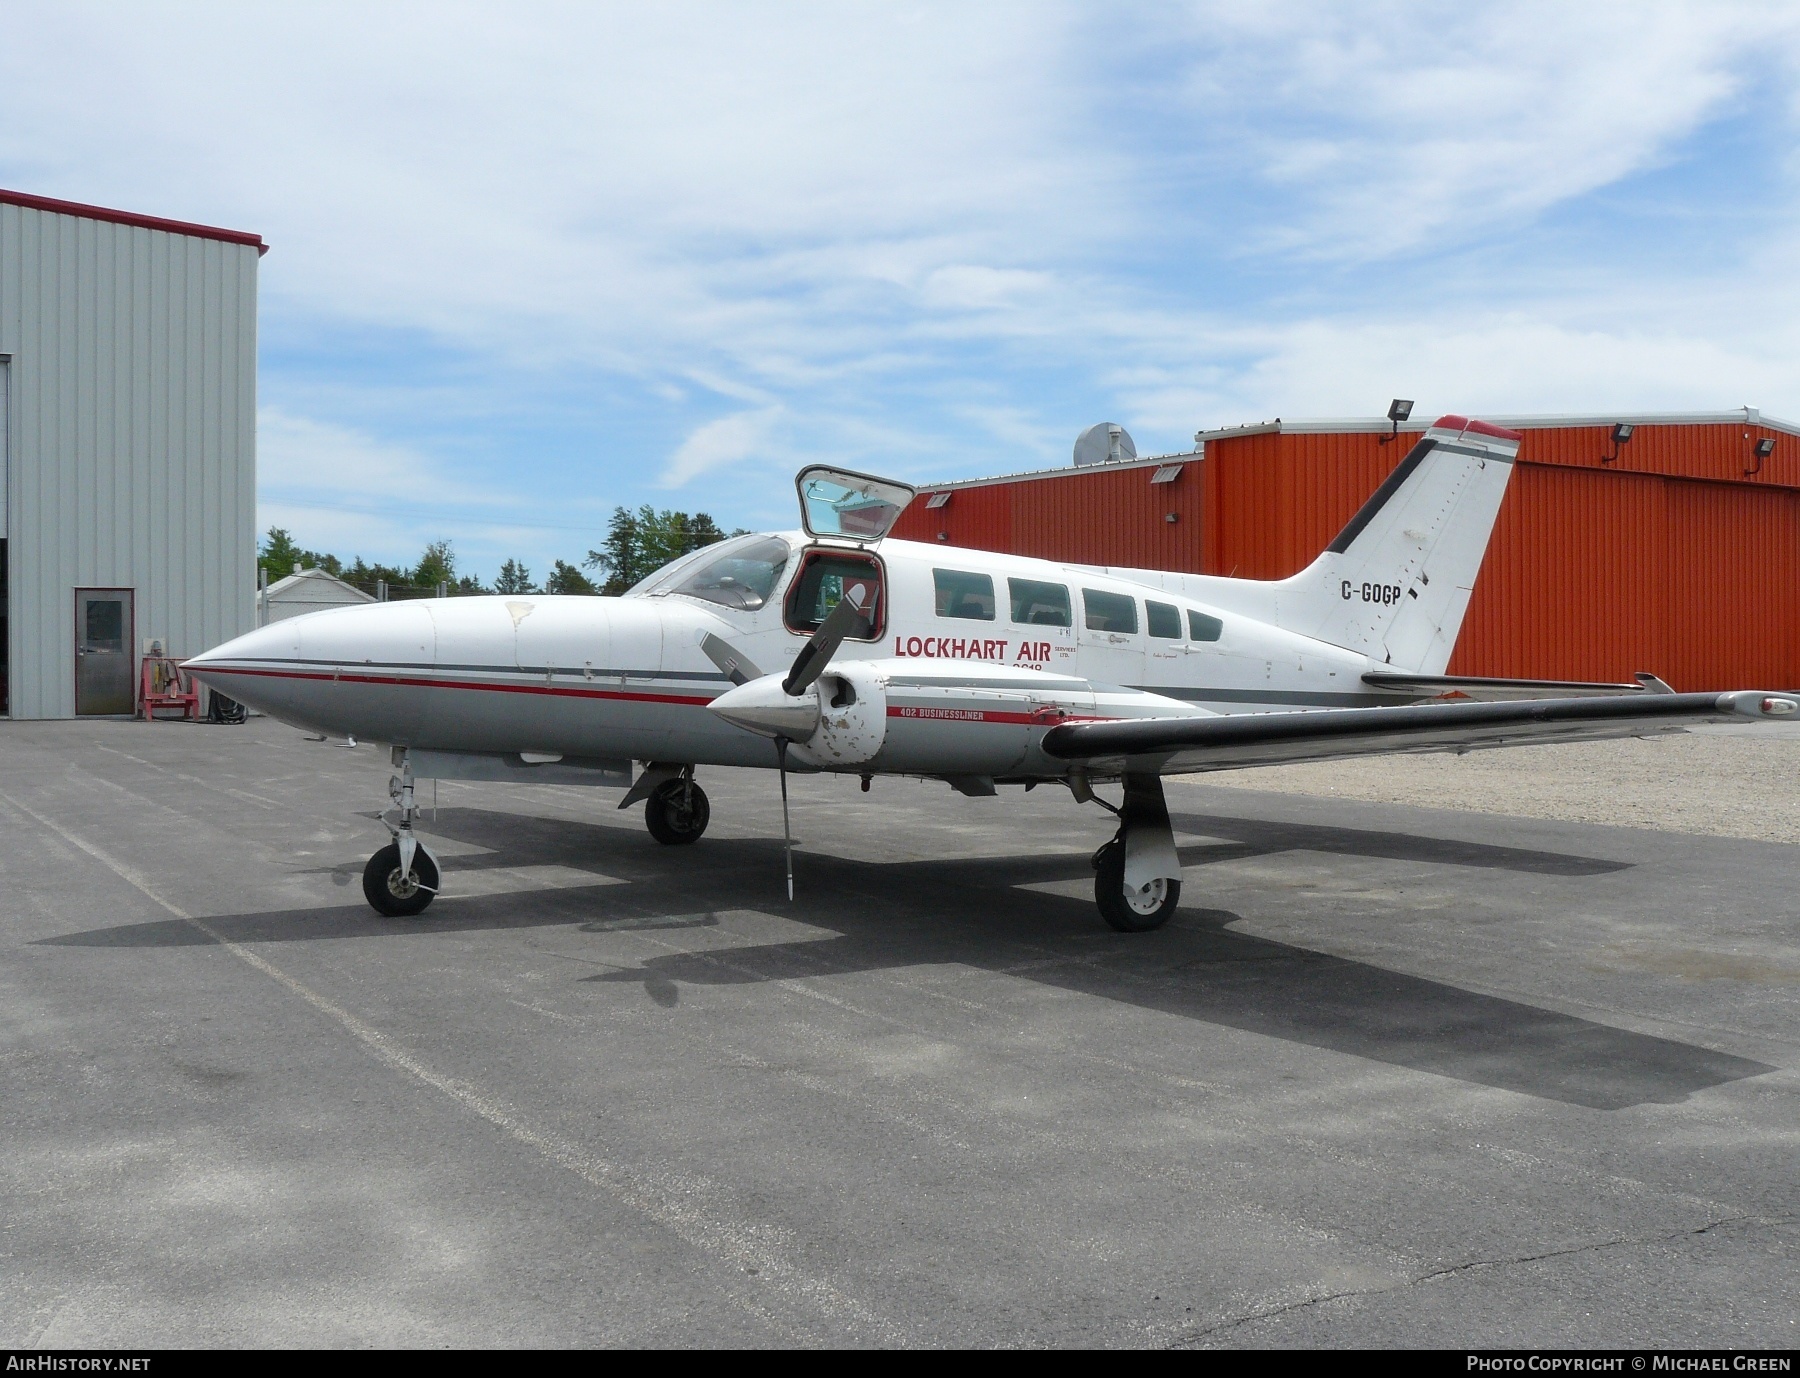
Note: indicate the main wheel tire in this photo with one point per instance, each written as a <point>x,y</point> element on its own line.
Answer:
<point>1130,911</point>
<point>397,896</point>
<point>677,812</point>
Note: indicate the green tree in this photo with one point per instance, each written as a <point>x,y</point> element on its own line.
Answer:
<point>279,554</point>
<point>622,553</point>
<point>642,542</point>
<point>436,566</point>
<point>514,578</point>
<point>467,585</point>
<point>368,577</point>
<point>568,579</point>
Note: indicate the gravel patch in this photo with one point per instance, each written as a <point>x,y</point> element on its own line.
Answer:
<point>1715,781</point>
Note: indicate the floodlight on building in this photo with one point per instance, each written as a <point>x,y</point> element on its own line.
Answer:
<point>1621,432</point>
<point>1762,449</point>
<point>1400,409</point>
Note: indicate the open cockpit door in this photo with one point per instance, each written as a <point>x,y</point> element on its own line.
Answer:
<point>831,576</point>
<point>841,503</point>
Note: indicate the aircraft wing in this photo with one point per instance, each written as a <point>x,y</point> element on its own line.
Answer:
<point>1179,745</point>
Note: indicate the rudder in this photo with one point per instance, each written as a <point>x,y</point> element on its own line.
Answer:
<point>1396,582</point>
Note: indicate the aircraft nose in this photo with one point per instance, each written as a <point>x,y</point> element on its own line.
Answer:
<point>261,644</point>
<point>240,668</point>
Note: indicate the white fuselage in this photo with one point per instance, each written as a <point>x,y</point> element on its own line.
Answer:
<point>953,682</point>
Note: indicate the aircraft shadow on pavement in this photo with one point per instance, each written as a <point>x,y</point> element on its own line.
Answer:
<point>890,916</point>
<point>1261,837</point>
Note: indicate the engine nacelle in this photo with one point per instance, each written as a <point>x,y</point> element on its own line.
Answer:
<point>852,717</point>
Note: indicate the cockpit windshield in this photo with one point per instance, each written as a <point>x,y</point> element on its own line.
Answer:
<point>739,574</point>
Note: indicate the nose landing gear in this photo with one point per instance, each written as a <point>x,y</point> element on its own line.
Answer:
<point>400,891</point>
<point>401,878</point>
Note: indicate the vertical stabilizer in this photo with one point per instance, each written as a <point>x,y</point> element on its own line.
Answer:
<point>1396,582</point>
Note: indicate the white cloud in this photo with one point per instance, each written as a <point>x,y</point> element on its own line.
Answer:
<point>973,287</point>
<point>1405,124</point>
<point>718,443</point>
<point>929,237</point>
<point>299,455</point>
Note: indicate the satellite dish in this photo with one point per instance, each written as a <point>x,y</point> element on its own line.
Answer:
<point>1103,443</point>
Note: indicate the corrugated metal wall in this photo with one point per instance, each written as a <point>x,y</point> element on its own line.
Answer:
<point>133,436</point>
<point>1269,496</point>
<point>1596,575</point>
<point>1111,517</point>
<point>1669,558</point>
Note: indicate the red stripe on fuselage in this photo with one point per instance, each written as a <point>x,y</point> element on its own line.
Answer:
<point>932,714</point>
<point>986,715</point>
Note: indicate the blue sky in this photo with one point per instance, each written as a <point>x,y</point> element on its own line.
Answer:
<point>534,261</point>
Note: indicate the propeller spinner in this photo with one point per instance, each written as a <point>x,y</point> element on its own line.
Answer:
<point>787,708</point>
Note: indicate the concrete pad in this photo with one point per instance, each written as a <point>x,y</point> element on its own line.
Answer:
<point>1392,1076</point>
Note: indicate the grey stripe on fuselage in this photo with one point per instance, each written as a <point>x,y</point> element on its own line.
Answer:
<point>572,672</point>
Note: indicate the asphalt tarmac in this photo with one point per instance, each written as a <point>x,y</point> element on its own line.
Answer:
<point>1393,1075</point>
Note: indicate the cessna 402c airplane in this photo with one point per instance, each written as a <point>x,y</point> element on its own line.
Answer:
<point>978,669</point>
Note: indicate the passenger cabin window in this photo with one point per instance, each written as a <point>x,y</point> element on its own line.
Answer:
<point>825,579</point>
<point>964,595</point>
<point>742,577</point>
<point>1203,628</point>
<point>1109,612</point>
<point>1037,604</point>
<point>1164,620</point>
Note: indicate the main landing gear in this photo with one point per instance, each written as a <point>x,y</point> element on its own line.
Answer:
<point>677,811</point>
<point>1137,875</point>
<point>675,808</point>
<point>402,878</point>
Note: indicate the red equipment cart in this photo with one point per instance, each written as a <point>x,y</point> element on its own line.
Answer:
<point>163,684</point>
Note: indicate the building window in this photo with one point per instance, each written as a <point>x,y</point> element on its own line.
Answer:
<point>1037,604</point>
<point>960,594</point>
<point>1203,628</point>
<point>1109,612</point>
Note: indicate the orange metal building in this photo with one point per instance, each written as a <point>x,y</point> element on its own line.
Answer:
<point>1677,552</point>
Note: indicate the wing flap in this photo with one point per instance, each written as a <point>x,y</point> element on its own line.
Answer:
<point>1179,745</point>
<point>1486,690</point>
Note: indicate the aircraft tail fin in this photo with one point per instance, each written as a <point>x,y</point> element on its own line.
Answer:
<point>1396,582</point>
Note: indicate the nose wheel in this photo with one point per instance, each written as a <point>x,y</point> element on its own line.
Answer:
<point>396,892</point>
<point>677,812</point>
<point>402,878</point>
